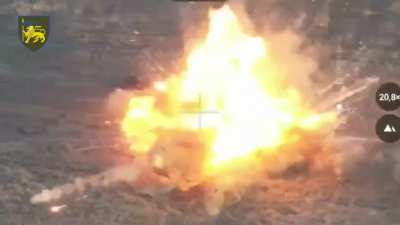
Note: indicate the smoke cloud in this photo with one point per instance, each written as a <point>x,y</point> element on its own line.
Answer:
<point>127,173</point>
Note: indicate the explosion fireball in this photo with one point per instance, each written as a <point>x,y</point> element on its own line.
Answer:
<point>228,110</point>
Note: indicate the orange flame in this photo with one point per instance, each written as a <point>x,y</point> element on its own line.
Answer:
<point>230,94</point>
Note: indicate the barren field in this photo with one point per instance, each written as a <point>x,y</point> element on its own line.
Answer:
<point>52,114</point>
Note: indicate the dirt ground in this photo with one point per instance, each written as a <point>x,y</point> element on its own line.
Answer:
<point>52,121</point>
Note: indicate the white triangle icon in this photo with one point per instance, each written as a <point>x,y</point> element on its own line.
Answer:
<point>388,129</point>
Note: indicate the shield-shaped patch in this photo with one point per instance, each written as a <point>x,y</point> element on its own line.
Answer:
<point>33,31</point>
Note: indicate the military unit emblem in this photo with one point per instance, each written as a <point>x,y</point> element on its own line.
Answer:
<point>33,31</point>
